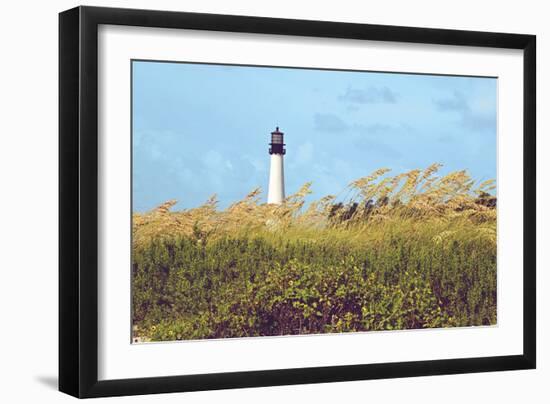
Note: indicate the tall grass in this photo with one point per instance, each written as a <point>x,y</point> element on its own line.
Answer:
<point>414,250</point>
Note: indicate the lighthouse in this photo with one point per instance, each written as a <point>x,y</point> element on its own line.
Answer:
<point>276,193</point>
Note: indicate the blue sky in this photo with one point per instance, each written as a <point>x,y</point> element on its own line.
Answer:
<point>201,129</point>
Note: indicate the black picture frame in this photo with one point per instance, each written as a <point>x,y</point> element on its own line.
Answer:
<point>78,201</point>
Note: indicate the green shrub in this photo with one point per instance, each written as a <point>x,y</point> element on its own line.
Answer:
<point>237,287</point>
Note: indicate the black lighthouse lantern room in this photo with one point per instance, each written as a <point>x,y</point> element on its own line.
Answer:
<point>277,143</point>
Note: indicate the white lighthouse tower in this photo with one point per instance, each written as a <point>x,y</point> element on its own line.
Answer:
<point>276,193</point>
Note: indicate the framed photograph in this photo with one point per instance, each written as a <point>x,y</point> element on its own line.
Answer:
<point>250,201</point>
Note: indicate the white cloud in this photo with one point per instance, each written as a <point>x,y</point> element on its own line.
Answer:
<point>371,95</point>
<point>212,159</point>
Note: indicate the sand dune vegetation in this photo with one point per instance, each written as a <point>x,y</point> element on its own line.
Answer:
<point>406,251</point>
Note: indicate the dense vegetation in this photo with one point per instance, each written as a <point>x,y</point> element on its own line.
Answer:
<point>408,251</point>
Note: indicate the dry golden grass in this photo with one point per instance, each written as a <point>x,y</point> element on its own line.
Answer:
<point>379,198</point>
